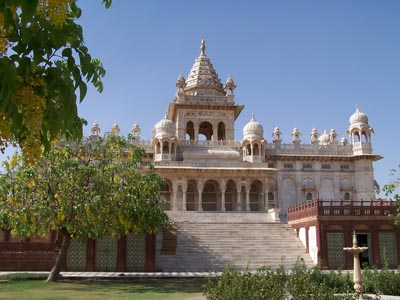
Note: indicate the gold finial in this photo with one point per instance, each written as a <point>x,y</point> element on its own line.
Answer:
<point>203,47</point>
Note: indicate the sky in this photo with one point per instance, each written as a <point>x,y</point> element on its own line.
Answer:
<point>304,64</point>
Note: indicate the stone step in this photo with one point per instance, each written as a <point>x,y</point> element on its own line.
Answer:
<point>246,243</point>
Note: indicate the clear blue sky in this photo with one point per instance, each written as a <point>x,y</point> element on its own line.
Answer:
<point>296,63</point>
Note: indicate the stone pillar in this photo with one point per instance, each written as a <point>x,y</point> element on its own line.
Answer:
<point>238,202</point>
<point>307,229</point>
<point>184,189</point>
<point>248,197</point>
<point>214,131</point>
<point>200,186</point>
<point>174,195</point>
<point>223,189</point>
<point>196,131</point>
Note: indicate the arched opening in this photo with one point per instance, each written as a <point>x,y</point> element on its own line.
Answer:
<point>165,148</point>
<point>165,195</point>
<point>357,138</point>
<point>221,131</point>
<point>191,195</point>
<point>256,196</point>
<point>271,198</point>
<point>256,149</point>
<point>364,137</point>
<point>206,130</point>
<point>230,196</point>
<point>210,195</point>
<point>190,130</point>
<point>347,197</point>
<point>309,196</point>
<point>248,150</point>
<point>158,148</point>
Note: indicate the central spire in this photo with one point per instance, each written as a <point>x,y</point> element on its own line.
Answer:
<point>202,78</point>
<point>203,47</point>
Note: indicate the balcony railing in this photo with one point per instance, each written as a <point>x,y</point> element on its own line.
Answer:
<point>318,207</point>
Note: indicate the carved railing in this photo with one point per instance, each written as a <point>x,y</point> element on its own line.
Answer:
<point>319,207</point>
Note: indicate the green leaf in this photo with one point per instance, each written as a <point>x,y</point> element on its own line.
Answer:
<point>82,91</point>
<point>67,52</point>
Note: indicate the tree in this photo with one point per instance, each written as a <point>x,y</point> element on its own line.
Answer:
<point>392,189</point>
<point>83,191</point>
<point>43,64</point>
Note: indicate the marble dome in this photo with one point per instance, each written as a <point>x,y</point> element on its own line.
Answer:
<point>253,130</point>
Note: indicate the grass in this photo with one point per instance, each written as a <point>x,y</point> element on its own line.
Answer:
<point>117,289</point>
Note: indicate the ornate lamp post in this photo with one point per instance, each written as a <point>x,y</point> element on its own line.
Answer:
<point>357,268</point>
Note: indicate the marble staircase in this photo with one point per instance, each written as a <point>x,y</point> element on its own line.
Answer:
<point>208,241</point>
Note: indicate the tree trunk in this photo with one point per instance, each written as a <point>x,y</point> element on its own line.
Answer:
<point>55,271</point>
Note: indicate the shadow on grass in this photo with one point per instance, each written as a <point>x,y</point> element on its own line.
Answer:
<point>136,285</point>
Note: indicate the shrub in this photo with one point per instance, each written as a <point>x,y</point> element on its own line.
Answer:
<point>383,281</point>
<point>234,285</point>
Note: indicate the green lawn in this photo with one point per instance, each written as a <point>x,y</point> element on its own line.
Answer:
<point>141,289</point>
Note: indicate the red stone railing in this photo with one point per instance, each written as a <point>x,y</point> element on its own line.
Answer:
<point>319,207</point>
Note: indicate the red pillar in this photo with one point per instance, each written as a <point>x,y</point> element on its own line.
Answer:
<point>375,253</point>
<point>90,255</point>
<point>121,255</point>
<point>150,264</point>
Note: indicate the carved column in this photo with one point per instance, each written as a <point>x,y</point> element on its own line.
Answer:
<point>223,189</point>
<point>239,192</point>
<point>196,131</point>
<point>184,189</point>
<point>200,185</point>
<point>266,191</point>
<point>174,195</point>
<point>248,197</point>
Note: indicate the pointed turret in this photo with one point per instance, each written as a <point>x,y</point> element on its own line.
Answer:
<point>202,78</point>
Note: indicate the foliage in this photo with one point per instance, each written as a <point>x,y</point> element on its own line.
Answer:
<point>234,285</point>
<point>300,283</point>
<point>392,189</point>
<point>82,190</point>
<point>43,64</point>
<point>383,281</point>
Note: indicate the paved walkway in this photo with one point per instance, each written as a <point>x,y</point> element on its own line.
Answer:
<point>124,274</point>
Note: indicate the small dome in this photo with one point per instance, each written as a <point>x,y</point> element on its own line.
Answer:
<point>253,130</point>
<point>95,130</point>
<point>358,117</point>
<point>165,128</point>
<point>324,139</point>
<point>115,129</point>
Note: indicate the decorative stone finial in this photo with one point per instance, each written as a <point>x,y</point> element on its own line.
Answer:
<point>276,135</point>
<point>180,83</point>
<point>314,136</point>
<point>115,129</point>
<point>296,136</point>
<point>203,47</point>
<point>229,85</point>
<point>95,130</point>
<point>136,131</point>
<point>333,137</point>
